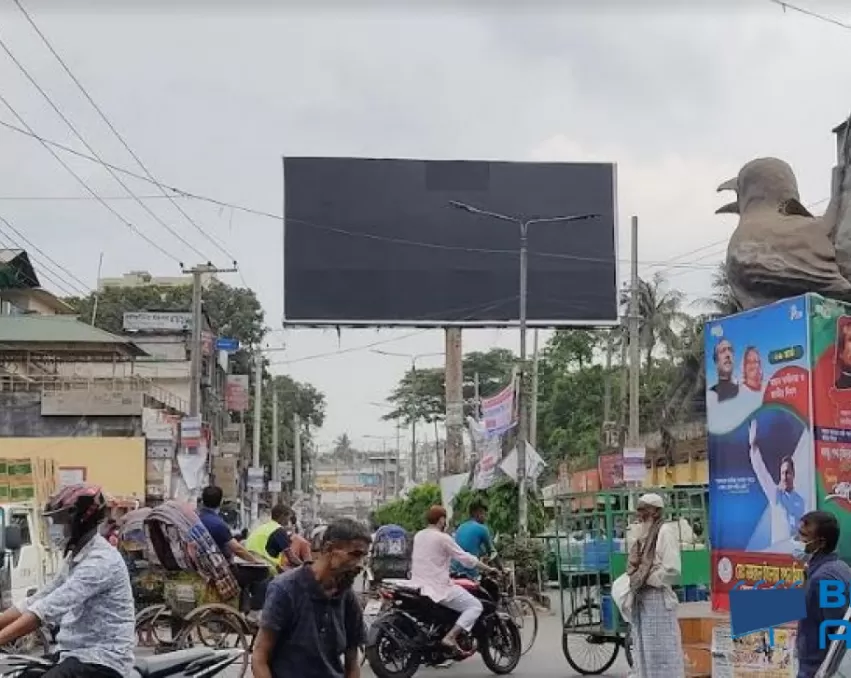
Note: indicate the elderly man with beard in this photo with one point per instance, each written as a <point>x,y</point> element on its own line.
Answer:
<point>654,567</point>
<point>311,617</point>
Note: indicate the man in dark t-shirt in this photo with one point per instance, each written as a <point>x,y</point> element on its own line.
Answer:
<point>311,616</point>
<point>211,501</point>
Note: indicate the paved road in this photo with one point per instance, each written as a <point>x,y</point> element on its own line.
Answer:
<point>544,660</point>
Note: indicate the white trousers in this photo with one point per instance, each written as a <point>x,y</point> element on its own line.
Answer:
<point>466,603</point>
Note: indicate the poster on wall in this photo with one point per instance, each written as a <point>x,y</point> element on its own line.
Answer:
<point>830,348</point>
<point>760,447</point>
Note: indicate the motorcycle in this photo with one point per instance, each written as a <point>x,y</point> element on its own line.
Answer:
<point>410,632</point>
<point>183,663</point>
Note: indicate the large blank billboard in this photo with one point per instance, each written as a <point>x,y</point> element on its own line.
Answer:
<point>378,243</point>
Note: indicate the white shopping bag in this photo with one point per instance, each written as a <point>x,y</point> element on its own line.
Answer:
<point>622,595</point>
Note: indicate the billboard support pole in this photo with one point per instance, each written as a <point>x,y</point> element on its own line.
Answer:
<point>634,354</point>
<point>453,460</point>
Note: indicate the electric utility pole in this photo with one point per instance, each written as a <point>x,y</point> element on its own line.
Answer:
<point>197,333</point>
<point>533,410</point>
<point>258,427</point>
<point>523,414</point>
<point>634,354</point>
<point>276,473</point>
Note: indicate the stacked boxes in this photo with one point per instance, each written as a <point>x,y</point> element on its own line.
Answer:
<point>27,479</point>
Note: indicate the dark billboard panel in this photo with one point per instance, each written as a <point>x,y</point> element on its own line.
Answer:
<point>378,242</point>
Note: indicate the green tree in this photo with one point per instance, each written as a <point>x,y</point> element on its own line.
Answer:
<point>233,311</point>
<point>420,394</point>
<point>293,398</point>
<point>409,512</point>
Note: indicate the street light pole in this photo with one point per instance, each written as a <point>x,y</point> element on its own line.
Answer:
<point>523,416</point>
<point>412,414</point>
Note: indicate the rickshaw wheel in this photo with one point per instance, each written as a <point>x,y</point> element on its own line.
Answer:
<point>584,625</point>
<point>148,620</point>
<point>215,626</point>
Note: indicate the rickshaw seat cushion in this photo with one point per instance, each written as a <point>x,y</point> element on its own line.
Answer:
<point>162,664</point>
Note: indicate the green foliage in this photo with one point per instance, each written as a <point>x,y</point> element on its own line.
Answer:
<point>409,512</point>
<point>502,502</point>
<point>233,312</point>
<point>421,394</point>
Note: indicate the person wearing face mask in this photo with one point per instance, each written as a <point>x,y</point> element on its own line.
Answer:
<point>815,546</point>
<point>311,617</point>
<point>654,567</point>
<point>431,560</point>
<point>90,599</point>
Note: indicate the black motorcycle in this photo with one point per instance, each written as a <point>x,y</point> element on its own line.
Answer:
<point>183,663</point>
<point>410,632</point>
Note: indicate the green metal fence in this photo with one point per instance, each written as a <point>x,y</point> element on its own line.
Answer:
<point>589,541</point>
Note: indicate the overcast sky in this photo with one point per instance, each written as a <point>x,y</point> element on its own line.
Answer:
<point>678,94</point>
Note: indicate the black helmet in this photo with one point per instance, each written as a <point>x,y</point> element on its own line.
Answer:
<point>83,506</point>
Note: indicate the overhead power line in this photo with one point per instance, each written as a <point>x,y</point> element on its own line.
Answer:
<point>44,270</point>
<point>83,183</point>
<point>812,14</point>
<point>118,136</point>
<point>83,286</point>
<point>91,150</point>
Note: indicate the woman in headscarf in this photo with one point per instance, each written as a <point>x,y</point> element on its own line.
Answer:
<point>654,567</point>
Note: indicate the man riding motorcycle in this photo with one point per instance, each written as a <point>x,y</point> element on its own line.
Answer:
<point>90,599</point>
<point>432,554</point>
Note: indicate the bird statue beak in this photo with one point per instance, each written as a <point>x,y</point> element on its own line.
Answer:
<point>733,207</point>
<point>729,185</point>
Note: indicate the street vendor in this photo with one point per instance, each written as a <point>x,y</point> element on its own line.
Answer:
<point>654,567</point>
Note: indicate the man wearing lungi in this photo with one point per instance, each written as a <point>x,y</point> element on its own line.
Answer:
<point>654,567</point>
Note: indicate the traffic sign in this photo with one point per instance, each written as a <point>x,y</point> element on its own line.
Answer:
<point>227,344</point>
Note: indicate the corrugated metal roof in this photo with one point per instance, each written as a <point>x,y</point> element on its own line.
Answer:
<point>47,329</point>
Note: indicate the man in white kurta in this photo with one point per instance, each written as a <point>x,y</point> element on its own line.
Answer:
<point>432,555</point>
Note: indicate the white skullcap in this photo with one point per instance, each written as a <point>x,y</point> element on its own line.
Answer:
<point>651,499</point>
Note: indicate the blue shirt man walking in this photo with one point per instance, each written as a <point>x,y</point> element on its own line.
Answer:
<point>818,536</point>
<point>474,537</point>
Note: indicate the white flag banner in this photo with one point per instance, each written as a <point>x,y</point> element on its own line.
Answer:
<point>534,464</point>
<point>489,452</point>
<point>498,412</point>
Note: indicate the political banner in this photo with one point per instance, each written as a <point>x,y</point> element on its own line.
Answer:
<point>760,447</point>
<point>498,412</point>
<point>830,348</point>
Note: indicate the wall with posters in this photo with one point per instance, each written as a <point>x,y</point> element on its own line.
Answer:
<point>760,444</point>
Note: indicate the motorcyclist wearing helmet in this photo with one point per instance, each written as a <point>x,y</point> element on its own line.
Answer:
<point>90,599</point>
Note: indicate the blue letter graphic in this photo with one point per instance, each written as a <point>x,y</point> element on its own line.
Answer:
<point>836,623</point>
<point>831,594</point>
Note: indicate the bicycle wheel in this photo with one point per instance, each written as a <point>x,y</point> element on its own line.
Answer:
<point>592,652</point>
<point>522,611</point>
<point>219,630</point>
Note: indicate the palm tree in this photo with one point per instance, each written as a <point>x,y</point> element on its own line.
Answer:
<point>661,316</point>
<point>721,301</point>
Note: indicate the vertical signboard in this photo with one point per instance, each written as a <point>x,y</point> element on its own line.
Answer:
<point>236,392</point>
<point>760,446</point>
<point>830,348</point>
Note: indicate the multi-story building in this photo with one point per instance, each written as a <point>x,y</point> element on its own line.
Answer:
<point>145,279</point>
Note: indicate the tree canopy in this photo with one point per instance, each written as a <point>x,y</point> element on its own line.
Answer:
<point>234,312</point>
<point>573,376</point>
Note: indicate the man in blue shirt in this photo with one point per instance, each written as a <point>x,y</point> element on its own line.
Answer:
<point>474,537</point>
<point>211,502</point>
<point>818,536</point>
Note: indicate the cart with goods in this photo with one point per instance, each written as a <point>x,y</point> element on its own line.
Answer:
<point>202,603</point>
<point>591,541</point>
